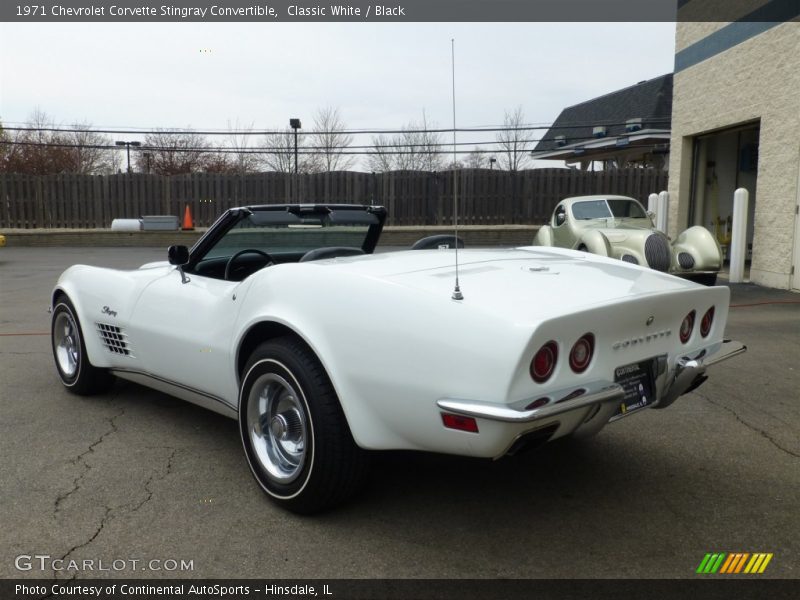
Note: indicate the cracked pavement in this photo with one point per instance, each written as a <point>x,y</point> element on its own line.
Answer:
<point>135,474</point>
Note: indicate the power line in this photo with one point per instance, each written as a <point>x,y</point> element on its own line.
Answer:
<point>179,131</point>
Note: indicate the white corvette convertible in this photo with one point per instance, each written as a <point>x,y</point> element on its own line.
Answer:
<point>281,317</point>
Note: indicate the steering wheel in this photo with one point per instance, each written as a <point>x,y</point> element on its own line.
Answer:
<point>267,259</point>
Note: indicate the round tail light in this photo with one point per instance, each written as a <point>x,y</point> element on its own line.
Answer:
<point>706,322</point>
<point>686,327</point>
<point>581,354</point>
<point>544,362</point>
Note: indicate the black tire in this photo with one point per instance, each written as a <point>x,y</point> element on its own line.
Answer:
<point>77,374</point>
<point>709,279</point>
<point>295,436</point>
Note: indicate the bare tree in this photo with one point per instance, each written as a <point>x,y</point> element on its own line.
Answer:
<point>514,147</point>
<point>475,160</point>
<point>91,153</point>
<point>381,159</point>
<point>279,153</point>
<point>242,160</point>
<point>173,152</point>
<point>330,140</point>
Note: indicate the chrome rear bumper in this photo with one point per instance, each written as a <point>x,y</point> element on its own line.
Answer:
<point>688,374</point>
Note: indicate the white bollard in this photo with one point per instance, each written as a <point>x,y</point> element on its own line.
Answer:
<point>741,198</point>
<point>652,203</point>
<point>662,214</point>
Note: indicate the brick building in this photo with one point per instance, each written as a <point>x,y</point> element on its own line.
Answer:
<point>736,123</point>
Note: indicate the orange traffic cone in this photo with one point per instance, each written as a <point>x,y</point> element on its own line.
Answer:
<point>188,225</point>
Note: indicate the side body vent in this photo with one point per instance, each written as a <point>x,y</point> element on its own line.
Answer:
<point>114,339</point>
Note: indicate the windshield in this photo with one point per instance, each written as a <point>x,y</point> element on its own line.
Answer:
<point>606,209</point>
<point>284,232</point>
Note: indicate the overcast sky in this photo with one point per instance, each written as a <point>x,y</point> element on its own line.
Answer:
<point>378,75</point>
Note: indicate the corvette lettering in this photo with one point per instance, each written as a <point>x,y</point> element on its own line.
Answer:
<point>643,339</point>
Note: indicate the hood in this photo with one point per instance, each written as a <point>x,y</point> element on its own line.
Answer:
<point>529,284</point>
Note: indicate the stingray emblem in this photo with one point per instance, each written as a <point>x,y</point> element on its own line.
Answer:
<point>107,311</point>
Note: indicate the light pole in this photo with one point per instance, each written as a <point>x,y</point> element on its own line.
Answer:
<point>128,149</point>
<point>295,124</point>
<point>492,160</point>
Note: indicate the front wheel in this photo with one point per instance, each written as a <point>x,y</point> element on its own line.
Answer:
<point>77,374</point>
<point>295,435</point>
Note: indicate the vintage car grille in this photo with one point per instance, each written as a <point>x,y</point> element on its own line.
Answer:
<point>114,339</point>
<point>630,258</point>
<point>657,252</point>
<point>685,260</point>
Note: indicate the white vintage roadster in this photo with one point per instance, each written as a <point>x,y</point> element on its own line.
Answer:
<point>283,318</point>
<point>619,227</point>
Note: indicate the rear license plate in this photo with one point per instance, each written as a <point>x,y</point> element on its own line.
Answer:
<point>637,381</point>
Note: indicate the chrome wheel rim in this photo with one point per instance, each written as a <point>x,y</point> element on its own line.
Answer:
<point>67,345</point>
<point>277,427</point>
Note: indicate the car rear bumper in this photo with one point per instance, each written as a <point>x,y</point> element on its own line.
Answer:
<point>589,412</point>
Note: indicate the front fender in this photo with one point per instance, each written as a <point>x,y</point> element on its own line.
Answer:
<point>702,246</point>
<point>596,243</point>
<point>544,237</point>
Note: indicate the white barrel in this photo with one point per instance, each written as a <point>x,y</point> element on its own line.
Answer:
<point>126,225</point>
<point>741,199</point>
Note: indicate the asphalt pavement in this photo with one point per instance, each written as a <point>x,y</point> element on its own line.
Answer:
<point>134,475</point>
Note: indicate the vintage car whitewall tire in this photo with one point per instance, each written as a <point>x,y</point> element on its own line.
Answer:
<point>77,374</point>
<point>295,435</point>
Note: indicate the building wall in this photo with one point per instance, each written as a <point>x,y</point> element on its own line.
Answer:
<point>756,80</point>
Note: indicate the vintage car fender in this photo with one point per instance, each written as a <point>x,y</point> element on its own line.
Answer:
<point>702,246</point>
<point>596,243</point>
<point>544,237</point>
<point>112,296</point>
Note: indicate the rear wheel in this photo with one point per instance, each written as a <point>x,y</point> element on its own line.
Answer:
<point>295,435</point>
<point>77,374</point>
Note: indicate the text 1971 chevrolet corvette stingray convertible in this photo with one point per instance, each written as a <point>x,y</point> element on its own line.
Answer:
<point>281,317</point>
<point>619,227</point>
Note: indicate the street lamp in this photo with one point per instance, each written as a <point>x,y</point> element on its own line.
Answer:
<point>128,149</point>
<point>492,160</point>
<point>295,124</point>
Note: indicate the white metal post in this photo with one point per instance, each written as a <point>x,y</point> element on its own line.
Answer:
<point>662,214</point>
<point>652,204</point>
<point>741,199</point>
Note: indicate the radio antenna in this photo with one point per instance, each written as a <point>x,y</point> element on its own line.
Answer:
<point>457,295</point>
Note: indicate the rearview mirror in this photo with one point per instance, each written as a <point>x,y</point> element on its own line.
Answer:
<point>651,215</point>
<point>178,255</point>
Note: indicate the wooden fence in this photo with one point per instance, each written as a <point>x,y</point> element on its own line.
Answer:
<point>485,197</point>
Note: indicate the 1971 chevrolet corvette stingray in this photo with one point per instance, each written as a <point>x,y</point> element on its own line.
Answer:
<point>283,318</point>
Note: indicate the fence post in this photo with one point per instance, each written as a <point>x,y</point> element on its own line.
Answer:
<point>741,199</point>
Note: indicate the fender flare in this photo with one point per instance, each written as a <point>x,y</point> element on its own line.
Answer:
<point>596,243</point>
<point>544,237</point>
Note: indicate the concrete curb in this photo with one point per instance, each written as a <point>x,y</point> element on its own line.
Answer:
<point>473,235</point>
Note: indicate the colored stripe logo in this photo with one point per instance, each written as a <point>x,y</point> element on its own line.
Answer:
<point>734,563</point>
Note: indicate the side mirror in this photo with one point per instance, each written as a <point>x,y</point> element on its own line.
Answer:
<point>651,215</point>
<point>560,218</point>
<point>178,255</point>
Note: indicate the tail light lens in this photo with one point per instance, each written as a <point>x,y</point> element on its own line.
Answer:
<point>544,362</point>
<point>686,327</point>
<point>706,322</point>
<point>581,354</point>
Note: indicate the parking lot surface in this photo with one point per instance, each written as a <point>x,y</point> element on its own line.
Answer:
<point>135,475</point>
